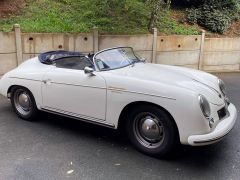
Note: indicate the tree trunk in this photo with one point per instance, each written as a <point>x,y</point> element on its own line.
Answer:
<point>151,23</point>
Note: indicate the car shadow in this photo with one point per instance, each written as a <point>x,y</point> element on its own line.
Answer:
<point>190,156</point>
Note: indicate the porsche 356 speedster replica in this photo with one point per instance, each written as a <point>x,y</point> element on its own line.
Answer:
<point>158,105</point>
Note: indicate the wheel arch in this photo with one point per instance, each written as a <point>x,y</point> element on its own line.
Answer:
<point>128,107</point>
<point>13,86</point>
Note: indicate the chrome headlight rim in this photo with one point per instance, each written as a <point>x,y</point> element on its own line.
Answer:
<point>204,106</point>
<point>222,86</point>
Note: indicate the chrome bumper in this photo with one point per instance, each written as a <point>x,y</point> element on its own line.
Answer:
<point>221,130</point>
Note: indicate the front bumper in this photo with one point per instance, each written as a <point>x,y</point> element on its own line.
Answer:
<point>222,129</point>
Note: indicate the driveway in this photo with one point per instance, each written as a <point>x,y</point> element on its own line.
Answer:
<point>61,148</point>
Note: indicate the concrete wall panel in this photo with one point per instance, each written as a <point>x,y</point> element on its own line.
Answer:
<point>7,43</point>
<point>179,58</point>
<point>222,44</point>
<point>222,58</point>
<point>145,54</point>
<point>82,43</point>
<point>28,56</point>
<point>219,68</point>
<point>138,42</point>
<point>38,43</point>
<point>191,66</point>
<point>178,43</point>
<point>7,62</point>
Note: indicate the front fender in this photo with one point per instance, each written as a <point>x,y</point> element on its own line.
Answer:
<point>4,85</point>
<point>185,110</point>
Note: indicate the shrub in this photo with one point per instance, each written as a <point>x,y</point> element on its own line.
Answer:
<point>216,20</point>
<point>215,15</point>
<point>193,15</point>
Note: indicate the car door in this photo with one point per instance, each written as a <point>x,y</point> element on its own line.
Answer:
<point>66,89</point>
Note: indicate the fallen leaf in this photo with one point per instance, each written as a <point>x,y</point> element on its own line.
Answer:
<point>70,171</point>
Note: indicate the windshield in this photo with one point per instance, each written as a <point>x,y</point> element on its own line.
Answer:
<point>115,58</point>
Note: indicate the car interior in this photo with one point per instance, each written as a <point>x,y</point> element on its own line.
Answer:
<point>74,62</point>
<point>67,59</point>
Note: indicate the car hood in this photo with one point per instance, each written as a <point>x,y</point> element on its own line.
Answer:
<point>197,81</point>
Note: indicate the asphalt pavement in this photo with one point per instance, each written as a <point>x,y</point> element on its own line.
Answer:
<point>60,148</point>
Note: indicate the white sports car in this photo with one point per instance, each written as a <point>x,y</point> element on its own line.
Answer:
<point>158,105</point>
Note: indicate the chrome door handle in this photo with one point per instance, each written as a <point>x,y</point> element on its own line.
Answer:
<point>46,81</point>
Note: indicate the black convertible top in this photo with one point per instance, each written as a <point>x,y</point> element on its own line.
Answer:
<point>51,56</point>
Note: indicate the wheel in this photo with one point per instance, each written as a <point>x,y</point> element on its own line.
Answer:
<point>23,103</point>
<point>152,131</point>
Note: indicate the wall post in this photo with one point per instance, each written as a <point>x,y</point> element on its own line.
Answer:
<point>201,54</point>
<point>154,45</point>
<point>18,41</point>
<point>95,40</point>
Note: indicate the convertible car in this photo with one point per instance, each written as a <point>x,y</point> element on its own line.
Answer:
<point>158,105</point>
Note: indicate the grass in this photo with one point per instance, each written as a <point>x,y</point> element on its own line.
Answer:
<point>73,16</point>
<point>168,25</point>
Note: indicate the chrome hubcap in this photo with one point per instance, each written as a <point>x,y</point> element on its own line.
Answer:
<point>149,130</point>
<point>22,102</point>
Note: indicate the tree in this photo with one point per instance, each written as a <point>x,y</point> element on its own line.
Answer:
<point>156,6</point>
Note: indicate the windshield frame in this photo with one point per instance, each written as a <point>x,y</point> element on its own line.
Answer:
<point>96,66</point>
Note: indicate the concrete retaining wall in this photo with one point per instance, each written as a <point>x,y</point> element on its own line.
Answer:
<point>221,54</point>
<point>209,54</point>
<point>142,44</point>
<point>179,50</point>
<point>8,58</point>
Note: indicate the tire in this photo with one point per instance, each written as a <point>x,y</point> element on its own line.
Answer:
<point>152,130</point>
<point>23,103</point>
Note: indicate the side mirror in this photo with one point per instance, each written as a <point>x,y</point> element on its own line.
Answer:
<point>88,70</point>
<point>143,59</point>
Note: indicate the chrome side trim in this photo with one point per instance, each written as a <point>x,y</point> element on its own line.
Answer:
<point>59,83</point>
<point>111,88</point>
<point>135,92</point>
<point>25,79</point>
<point>78,85</point>
<point>149,94</point>
<point>78,117</point>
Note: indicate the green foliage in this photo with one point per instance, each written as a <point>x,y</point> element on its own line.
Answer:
<point>167,25</point>
<point>111,16</point>
<point>156,6</point>
<point>215,20</point>
<point>193,15</point>
<point>215,15</point>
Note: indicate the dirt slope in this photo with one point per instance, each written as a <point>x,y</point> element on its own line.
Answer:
<point>9,7</point>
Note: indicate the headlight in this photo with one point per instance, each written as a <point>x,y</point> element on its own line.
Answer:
<point>204,105</point>
<point>222,87</point>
